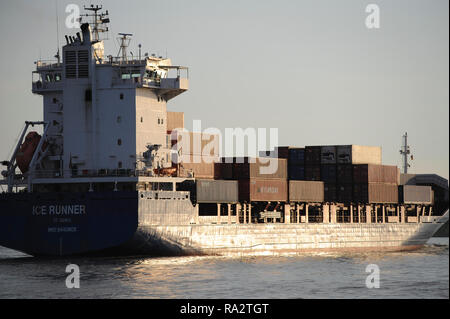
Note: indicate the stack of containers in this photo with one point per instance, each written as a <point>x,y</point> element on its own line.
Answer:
<point>312,163</point>
<point>349,156</point>
<point>328,172</point>
<point>256,184</point>
<point>375,183</point>
<point>197,154</point>
<point>295,157</point>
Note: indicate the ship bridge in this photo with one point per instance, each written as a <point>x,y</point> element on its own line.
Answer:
<point>158,74</point>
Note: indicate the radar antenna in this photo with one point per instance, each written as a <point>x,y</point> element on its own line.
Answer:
<point>99,20</point>
<point>124,42</point>
<point>405,151</point>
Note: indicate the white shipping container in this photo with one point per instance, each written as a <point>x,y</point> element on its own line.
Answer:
<point>358,154</point>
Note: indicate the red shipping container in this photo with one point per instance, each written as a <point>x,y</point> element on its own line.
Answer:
<point>263,190</point>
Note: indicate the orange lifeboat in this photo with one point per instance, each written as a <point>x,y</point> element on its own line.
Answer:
<point>169,171</point>
<point>26,151</point>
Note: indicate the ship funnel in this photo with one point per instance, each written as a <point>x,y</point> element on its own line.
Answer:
<point>86,29</point>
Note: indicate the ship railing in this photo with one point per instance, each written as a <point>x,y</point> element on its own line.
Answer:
<point>118,60</point>
<point>315,219</point>
<point>85,173</point>
<point>48,64</point>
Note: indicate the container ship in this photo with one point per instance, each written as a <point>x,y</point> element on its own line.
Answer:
<point>106,174</point>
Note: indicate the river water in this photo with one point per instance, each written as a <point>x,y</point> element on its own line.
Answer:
<point>422,273</point>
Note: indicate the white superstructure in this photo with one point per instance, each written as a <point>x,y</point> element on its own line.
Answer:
<point>105,113</point>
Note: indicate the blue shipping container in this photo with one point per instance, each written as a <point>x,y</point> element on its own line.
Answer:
<point>296,172</point>
<point>328,173</point>
<point>296,156</point>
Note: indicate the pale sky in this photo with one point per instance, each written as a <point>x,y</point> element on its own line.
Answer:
<point>309,68</point>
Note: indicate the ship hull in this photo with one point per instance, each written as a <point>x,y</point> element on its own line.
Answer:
<point>62,224</point>
<point>129,223</point>
<point>275,239</point>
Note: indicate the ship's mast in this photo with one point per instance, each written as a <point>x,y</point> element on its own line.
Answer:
<point>405,151</point>
<point>57,56</point>
<point>124,42</point>
<point>99,19</point>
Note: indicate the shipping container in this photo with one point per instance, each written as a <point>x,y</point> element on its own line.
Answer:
<point>375,193</point>
<point>328,155</point>
<point>199,170</point>
<point>296,172</point>
<point>358,154</point>
<point>312,172</point>
<point>263,190</point>
<point>306,191</point>
<point>272,168</point>
<point>328,173</point>
<point>368,173</point>
<point>345,173</point>
<point>293,154</point>
<point>407,179</point>
<point>312,155</point>
<point>412,194</point>
<point>283,151</point>
<point>344,193</point>
<point>175,120</point>
<point>226,167</point>
<point>220,172</point>
<point>330,194</point>
<point>296,156</point>
<point>217,191</point>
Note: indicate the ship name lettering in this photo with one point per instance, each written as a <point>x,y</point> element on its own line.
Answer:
<point>59,210</point>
